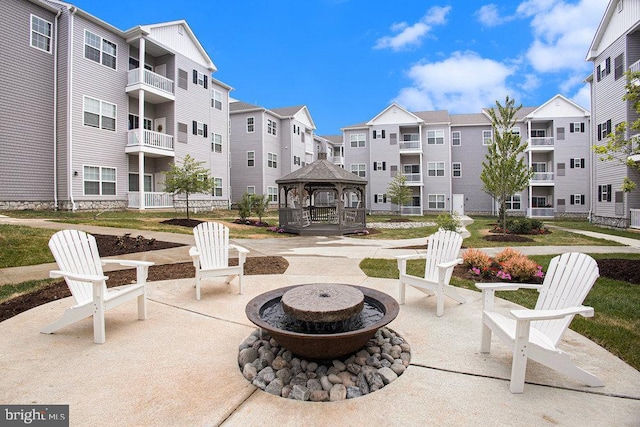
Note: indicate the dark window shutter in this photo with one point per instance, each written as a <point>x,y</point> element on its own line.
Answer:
<point>571,164</point>
<point>375,132</point>
<point>582,199</point>
<point>607,63</point>
<point>383,134</point>
<point>205,130</point>
<point>609,193</point>
<point>599,193</point>
<point>205,81</point>
<point>608,126</point>
<point>195,76</point>
<point>582,127</point>
<point>582,163</point>
<point>375,198</point>
<point>598,73</point>
<point>384,166</point>
<point>375,166</point>
<point>571,127</point>
<point>384,198</point>
<point>599,132</point>
<point>195,127</point>
<point>571,200</point>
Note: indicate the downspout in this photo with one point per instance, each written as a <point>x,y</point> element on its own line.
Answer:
<point>55,113</point>
<point>229,165</point>
<point>73,10</point>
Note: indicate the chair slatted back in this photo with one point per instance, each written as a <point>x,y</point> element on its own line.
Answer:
<point>77,252</point>
<point>442,246</point>
<point>212,241</point>
<point>569,279</point>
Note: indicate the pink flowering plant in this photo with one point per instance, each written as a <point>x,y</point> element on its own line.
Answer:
<point>508,265</point>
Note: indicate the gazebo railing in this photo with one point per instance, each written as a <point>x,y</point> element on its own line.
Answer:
<point>300,218</point>
<point>323,214</point>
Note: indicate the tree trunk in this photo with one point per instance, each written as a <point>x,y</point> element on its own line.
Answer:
<point>503,206</point>
<point>187,205</point>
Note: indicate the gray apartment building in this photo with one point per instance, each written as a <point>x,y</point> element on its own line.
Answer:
<point>92,117</point>
<point>441,156</point>
<point>266,145</point>
<point>614,50</point>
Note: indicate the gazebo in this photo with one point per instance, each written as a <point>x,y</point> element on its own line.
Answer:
<point>321,199</point>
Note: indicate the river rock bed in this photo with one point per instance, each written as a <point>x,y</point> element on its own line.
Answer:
<point>274,369</point>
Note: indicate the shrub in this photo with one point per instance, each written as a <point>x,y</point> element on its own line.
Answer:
<point>523,225</point>
<point>506,254</point>
<point>448,221</point>
<point>474,258</point>
<point>521,268</point>
<point>244,206</point>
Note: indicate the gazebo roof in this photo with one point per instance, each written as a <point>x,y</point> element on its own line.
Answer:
<point>322,171</point>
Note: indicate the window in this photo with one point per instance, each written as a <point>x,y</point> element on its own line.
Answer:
<point>40,34</point>
<point>380,198</point>
<point>456,169</point>
<point>604,193</point>
<point>99,50</point>
<point>271,127</point>
<point>359,169</point>
<point>251,158</point>
<point>250,124</point>
<point>410,137</point>
<point>378,134</point>
<point>577,199</point>
<point>272,160</point>
<point>296,160</point>
<point>199,129</point>
<point>99,114</point>
<point>455,137</point>
<point>515,130</point>
<point>435,168</point>
<point>618,66</point>
<point>134,122</point>
<point>200,79</point>
<point>134,183</point>
<point>577,163</point>
<point>538,133</point>
<point>216,143</point>
<point>135,63</point>
<point>251,189</point>
<point>435,137</point>
<point>183,78</point>
<point>604,129</point>
<point>99,181</point>
<point>216,99</point>
<point>410,169</point>
<point>487,137</point>
<point>604,69</point>
<point>435,201</point>
<point>379,166</point>
<point>183,132</point>
<point>357,140</point>
<point>514,202</point>
<point>273,194</point>
<point>576,127</point>
<point>217,187</point>
<point>539,167</point>
<point>538,201</point>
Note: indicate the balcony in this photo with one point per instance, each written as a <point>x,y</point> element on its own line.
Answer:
<point>542,178</point>
<point>634,155</point>
<point>155,144</point>
<point>157,88</point>
<point>410,210</point>
<point>540,213</point>
<point>151,200</point>
<point>413,178</point>
<point>337,160</point>
<point>410,147</point>
<point>541,143</point>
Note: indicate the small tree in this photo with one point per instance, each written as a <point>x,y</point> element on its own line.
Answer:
<point>189,178</point>
<point>244,206</point>
<point>616,146</point>
<point>398,191</point>
<point>505,172</point>
<point>260,205</point>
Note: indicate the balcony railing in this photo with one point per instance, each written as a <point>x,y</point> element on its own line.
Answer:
<point>161,141</point>
<point>413,178</point>
<point>542,141</point>
<point>410,210</point>
<point>635,67</point>
<point>542,176</point>
<point>635,218</point>
<point>151,79</point>
<point>151,200</point>
<point>540,213</point>
<point>337,160</point>
<point>409,145</point>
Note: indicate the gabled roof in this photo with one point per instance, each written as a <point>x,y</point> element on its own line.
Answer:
<point>300,113</point>
<point>336,139</point>
<point>433,117</point>
<point>403,116</point>
<point>520,115</point>
<point>239,106</point>
<point>288,111</point>
<point>470,119</point>
<point>558,106</point>
<point>322,171</point>
<point>360,125</point>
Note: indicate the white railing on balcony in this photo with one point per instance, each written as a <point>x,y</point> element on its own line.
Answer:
<point>409,145</point>
<point>634,218</point>
<point>410,210</point>
<point>152,139</point>
<point>338,160</point>
<point>542,176</point>
<point>413,177</point>
<point>151,200</point>
<point>635,67</point>
<point>540,213</point>
<point>542,141</point>
<point>152,79</point>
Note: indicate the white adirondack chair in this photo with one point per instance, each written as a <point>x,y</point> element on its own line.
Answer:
<point>443,249</point>
<point>536,333</point>
<point>211,254</point>
<point>76,254</point>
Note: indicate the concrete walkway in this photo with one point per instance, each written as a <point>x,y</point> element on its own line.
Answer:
<point>179,367</point>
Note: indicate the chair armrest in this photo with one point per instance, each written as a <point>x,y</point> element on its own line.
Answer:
<point>79,277</point>
<point>552,314</point>
<point>450,264</point>
<point>240,249</point>
<point>194,252</point>
<point>128,262</point>
<point>502,286</point>
<point>413,256</point>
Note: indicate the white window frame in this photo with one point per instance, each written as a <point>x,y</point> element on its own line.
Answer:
<point>272,192</point>
<point>380,198</point>
<point>435,169</point>
<point>436,201</point>
<point>272,160</point>
<point>104,49</point>
<point>539,167</point>
<point>251,159</point>
<point>146,122</point>
<point>456,170</point>
<point>538,133</point>
<point>487,137</point>
<point>410,137</point>
<point>201,79</point>
<point>200,128</point>
<point>216,143</point>
<point>456,135</point>
<point>515,130</point>
<point>216,99</point>
<point>102,105</point>
<point>435,137</point>
<point>603,130</point>
<point>251,189</point>
<point>216,190</point>
<point>39,36</point>
<point>577,199</point>
<point>271,127</point>
<point>513,200</point>
<point>357,140</point>
<point>537,203</point>
<point>359,169</point>
<point>251,124</point>
<point>101,180</point>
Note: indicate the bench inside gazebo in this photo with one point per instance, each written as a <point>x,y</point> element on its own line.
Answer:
<point>322,199</point>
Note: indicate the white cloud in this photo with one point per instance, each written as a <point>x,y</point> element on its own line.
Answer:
<point>583,97</point>
<point>462,83</point>
<point>412,35</point>
<point>489,16</point>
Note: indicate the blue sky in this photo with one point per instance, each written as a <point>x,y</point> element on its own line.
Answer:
<point>347,60</point>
